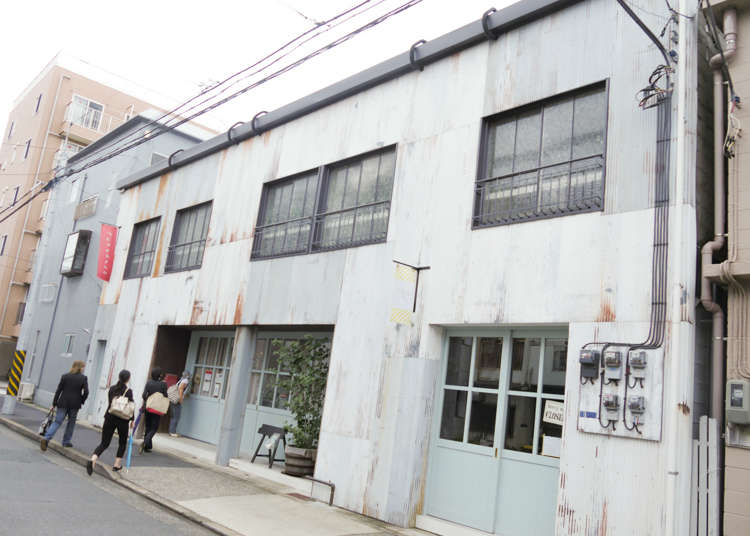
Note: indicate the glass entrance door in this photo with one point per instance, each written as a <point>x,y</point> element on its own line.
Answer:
<point>498,427</point>
<point>462,480</point>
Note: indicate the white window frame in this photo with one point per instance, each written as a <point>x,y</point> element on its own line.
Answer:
<point>47,293</point>
<point>68,341</point>
<point>504,392</point>
<point>88,104</point>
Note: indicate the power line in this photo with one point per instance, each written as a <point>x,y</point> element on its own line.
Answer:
<point>174,111</point>
<point>293,65</point>
<point>287,68</point>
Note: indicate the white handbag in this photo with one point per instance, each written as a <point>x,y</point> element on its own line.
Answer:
<point>122,407</point>
<point>157,403</point>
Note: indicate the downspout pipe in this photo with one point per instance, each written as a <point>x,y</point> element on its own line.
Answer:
<point>717,63</point>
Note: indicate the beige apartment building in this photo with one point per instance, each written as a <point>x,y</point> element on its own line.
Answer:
<point>726,258</point>
<point>66,107</point>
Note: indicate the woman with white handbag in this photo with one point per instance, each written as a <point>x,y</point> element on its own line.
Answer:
<point>156,404</point>
<point>119,416</point>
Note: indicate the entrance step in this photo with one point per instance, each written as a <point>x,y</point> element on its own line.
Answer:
<point>446,528</point>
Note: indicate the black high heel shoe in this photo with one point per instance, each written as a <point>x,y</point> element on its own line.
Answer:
<point>115,469</point>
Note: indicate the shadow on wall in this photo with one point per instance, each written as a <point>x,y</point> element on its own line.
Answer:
<point>170,354</point>
<point>7,350</point>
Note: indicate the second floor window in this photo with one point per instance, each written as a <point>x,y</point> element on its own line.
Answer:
<point>188,238</point>
<point>543,160</point>
<point>28,148</point>
<point>142,250</point>
<point>85,112</point>
<point>342,205</point>
<point>10,129</point>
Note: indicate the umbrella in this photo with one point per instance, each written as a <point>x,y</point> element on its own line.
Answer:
<point>130,440</point>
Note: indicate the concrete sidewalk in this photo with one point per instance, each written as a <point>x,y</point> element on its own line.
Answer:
<point>225,500</point>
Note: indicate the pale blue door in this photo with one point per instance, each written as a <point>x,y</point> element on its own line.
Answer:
<point>464,463</point>
<point>534,396</point>
<point>209,359</point>
<point>497,434</point>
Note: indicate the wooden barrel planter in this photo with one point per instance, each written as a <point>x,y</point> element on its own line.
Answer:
<point>299,462</point>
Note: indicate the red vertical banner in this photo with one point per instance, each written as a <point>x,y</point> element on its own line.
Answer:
<point>107,241</point>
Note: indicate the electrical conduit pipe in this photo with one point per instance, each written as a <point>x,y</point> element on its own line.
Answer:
<point>717,335</point>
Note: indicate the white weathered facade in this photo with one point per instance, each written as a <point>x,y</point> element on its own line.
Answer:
<point>586,275</point>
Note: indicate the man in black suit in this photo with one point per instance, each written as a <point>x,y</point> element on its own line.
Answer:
<point>71,394</point>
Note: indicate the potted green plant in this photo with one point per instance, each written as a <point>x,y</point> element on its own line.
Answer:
<point>307,362</point>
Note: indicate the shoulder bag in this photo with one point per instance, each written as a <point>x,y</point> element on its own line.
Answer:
<point>122,407</point>
<point>157,403</point>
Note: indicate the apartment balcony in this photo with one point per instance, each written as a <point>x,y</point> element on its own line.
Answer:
<point>85,122</point>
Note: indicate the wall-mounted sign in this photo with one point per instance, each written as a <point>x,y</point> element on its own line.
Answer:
<point>76,248</point>
<point>107,241</point>
<point>206,386</point>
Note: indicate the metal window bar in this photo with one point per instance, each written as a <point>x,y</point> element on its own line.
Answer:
<point>591,198</point>
<point>322,242</point>
<point>188,238</point>
<point>142,246</point>
<point>325,220</point>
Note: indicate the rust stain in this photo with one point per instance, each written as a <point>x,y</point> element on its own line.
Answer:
<point>157,261</point>
<point>603,525</point>
<point>197,311</point>
<point>266,137</point>
<point>111,368</point>
<point>596,454</point>
<point>132,321</point>
<point>117,294</point>
<point>238,309</point>
<point>606,312</point>
<point>684,408</point>
<point>163,180</point>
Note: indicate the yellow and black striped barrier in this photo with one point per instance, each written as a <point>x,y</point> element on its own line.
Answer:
<point>16,370</point>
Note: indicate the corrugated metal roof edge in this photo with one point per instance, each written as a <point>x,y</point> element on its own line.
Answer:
<point>467,36</point>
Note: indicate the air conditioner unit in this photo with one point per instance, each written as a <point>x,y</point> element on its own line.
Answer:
<point>26,391</point>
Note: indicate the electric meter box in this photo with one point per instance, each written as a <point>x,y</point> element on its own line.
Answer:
<point>589,360</point>
<point>738,401</point>
<point>612,365</point>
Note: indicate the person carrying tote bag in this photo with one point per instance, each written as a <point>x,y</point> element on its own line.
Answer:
<point>154,407</point>
<point>119,416</point>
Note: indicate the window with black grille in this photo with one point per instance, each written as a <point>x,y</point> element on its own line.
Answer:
<point>341,205</point>
<point>142,250</point>
<point>188,238</point>
<point>543,160</point>
<point>286,217</point>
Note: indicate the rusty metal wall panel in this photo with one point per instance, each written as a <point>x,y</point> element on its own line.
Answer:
<point>581,270</point>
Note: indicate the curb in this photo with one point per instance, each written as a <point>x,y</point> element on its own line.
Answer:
<point>104,471</point>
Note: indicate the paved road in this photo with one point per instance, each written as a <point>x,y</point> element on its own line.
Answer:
<point>45,493</point>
